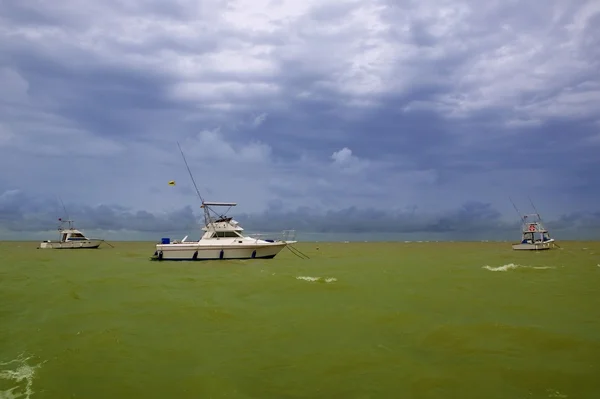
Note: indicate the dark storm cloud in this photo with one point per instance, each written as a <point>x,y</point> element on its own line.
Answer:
<point>21,214</point>
<point>358,109</point>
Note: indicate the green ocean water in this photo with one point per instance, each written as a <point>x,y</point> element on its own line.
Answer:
<point>356,320</point>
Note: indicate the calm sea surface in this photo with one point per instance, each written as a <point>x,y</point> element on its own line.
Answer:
<point>367,320</point>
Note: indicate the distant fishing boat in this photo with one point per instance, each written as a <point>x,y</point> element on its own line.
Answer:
<point>71,238</point>
<point>223,238</point>
<point>534,235</point>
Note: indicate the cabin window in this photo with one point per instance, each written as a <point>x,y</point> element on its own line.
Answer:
<point>78,235</point>
<point>226,234</point>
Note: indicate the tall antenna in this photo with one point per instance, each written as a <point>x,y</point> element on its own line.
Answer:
<point>190,172</point>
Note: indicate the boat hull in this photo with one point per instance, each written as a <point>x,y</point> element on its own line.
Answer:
<point>538,246</point>
<point>87,244</point>
<point>196,252</point>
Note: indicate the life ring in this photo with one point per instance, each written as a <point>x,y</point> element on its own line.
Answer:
<point>532,227</point>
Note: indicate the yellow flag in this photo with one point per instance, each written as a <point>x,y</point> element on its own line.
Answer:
<point>172,183</point>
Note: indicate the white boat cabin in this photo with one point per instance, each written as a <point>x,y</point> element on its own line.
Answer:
<point>227,230</point>
<point>224,227</point>
<point>72,235</point>
<point>221,227</point>
<point>534,232</point>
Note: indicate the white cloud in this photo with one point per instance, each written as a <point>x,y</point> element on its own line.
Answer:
<point>228,54</point>
<point>522,66</point>
<point>210,144</point>
<point>519,123</point>
<point>578,102</point>
<point>259,119</point>
<point>343,156</point>
<point>348,162</point>
<point>227,92</point>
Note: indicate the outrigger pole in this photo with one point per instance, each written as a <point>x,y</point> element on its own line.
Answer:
<point>518,213</point>
<point>206,214</point>
<point>190,172</point>
<point>64,207</point>
<point>536,211</point>
<point>205,205</point>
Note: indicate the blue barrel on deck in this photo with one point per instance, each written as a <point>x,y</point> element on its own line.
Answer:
<point>165,241</point>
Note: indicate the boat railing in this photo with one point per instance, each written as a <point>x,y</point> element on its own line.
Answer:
<point>288,235</point>
<point>285,235</point>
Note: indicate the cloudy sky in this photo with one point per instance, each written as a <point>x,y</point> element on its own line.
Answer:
<point>405,117</point>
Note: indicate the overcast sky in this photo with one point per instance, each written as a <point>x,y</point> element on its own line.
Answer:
<point>415,117</point>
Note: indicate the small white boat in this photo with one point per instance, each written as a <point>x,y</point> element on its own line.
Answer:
<point>223,238</point>
<point>71,238</point>
<point>534,235</point>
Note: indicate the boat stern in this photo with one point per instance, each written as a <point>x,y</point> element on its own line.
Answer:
<point>538,246</point>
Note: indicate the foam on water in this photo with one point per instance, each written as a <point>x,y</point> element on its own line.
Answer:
<point>553,393</point>
<point>308,278</point>
<point>511,266</point>
<point>20,374</point>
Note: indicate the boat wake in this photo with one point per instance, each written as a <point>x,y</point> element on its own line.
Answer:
<point>20,375</point>
<point>313,279</point>
<point>512,266</point>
